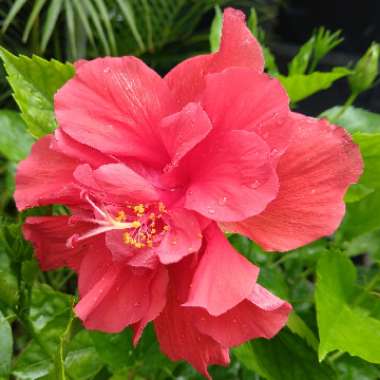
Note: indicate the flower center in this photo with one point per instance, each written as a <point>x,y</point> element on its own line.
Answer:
<point>143,224</point>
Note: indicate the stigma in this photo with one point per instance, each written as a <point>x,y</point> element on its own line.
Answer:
<point>143,225</point>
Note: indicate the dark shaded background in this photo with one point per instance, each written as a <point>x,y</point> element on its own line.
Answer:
<point>360,22</point>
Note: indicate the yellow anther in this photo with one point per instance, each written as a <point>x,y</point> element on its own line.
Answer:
<point>149,243</point>
<point>127,238</point>
<point>166,228</point>
<point>152,216</point>
<point>139,209</point>
<point>153,231</point>
<point>135,224</point>
<point>120,216</point>
<point>139,245</point>
<point>161,207</point>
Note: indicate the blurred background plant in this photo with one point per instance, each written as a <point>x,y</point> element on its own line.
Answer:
<point>40,338</point>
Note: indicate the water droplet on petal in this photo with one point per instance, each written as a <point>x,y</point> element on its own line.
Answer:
<point>210,210</point>
<point>107,70</point>
<point>255,184</point>
<point>222,201</point>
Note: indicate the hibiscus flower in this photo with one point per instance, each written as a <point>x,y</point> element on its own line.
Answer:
<point>154,170</point>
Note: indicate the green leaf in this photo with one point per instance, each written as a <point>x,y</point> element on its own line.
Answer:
<point>342,324</point>
<point>16,7</point>
<point>300,61</point>
<point>129,16</point>
<point>369,144</point>
<point>6,346</point>
<point>299,327</point>
<point>285,357</point>
<point>82,362</point>
<point>301,86</point>
<point>114,349</point>
<point>354,119</point>
<point>353,368</point>
<point>325,41</point>
<point>15,141</point>
<point>361,217</point>
<point>34,15</point>
<point>357,192</point>
<point>50,314</point>
<point>50,22</point>
<point>216,29</point>
<point>34,82</point>
<point>117,351</point>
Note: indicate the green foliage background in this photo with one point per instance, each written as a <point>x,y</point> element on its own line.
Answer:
<point>333,284</point>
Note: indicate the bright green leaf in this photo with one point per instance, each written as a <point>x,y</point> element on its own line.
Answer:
<point>6,346</point>
<point>354,119</point>
<point>34,82</point>
<point>369,144</point>
<point>357,192</point>
<point>300,61</point>
<point>299,327</point>
<point>343,325</point>
<point>285,357</point>
<point>301,86</point>
<point>15,141</point>
<point>216,29</point>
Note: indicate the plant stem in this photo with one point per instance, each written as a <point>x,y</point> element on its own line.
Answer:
<point>347,104</point>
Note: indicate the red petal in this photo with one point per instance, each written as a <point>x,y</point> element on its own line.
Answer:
<point>114,106</point>
<point>158,290</point>
<point>231,177</point>
<point>182,131</point>
<point>123,253</point>
<point>239,98</point>
<point>49,236</point>
<point>118,182</point>
<point>183,238</point>
<point>45,177</point>
<point>315,172</point>
<point>63,143</point>
<point>177,334</point>
<point>223,278</point>
<point>118,299</point>
<point>262,315</point>
<point>238,48</point>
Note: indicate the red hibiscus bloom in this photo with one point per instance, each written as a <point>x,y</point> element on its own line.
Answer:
<point>152,169</point>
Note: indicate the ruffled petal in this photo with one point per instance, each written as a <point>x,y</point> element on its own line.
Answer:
<point>120,298</point>
<point>117,182</point>
<point>158,290</point>
<point>114,105</point>
<point>223,277</point>
<point>45,177</point>
<point>183,238</point>
<point>261,315</point>
<point>50,234</point>
<point>231,177</point>
<point>182,131</point>
<point>241,99</point>
<point>63,143</point>
<point>315,172</point>
<point>238,48</point>
<point>177,334</point>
